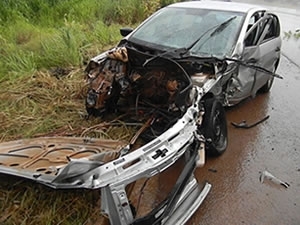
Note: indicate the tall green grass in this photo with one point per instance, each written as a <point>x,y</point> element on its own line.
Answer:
<point>36,34</point>
<point>41,36</point>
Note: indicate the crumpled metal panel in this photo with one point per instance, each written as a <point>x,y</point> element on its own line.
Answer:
<point>94,163</point>
<point>31,158</point>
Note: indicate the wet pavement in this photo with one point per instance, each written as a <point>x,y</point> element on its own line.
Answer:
<point>237,195</point>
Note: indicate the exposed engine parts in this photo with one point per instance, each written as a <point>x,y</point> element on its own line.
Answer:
<point>115,79</point>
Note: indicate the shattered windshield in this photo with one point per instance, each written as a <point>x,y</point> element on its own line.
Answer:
<point>198,29</point>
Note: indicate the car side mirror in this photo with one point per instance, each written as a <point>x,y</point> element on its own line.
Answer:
<point>125,31</point>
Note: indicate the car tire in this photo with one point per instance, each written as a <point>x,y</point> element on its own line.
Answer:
<point>267,86</point>
<point>214,127</point>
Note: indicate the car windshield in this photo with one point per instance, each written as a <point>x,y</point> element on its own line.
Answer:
<point>203,31</point>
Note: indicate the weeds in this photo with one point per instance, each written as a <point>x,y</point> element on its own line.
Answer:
<point>30,203</point>
<point>38,34</point>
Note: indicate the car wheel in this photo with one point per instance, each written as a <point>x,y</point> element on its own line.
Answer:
<point>267,86</point>
<point>215,127</point>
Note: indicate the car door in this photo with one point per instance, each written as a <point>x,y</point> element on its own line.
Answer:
<point>269,45</point>
<point>246,76</point>
<point>262,48</point>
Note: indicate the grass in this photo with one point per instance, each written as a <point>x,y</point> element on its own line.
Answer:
<point>38,34</point>
<point>28,203</point>
<point>40,103</point>
<point>44,47</point>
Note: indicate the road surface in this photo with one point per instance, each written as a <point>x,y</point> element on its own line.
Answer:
<point>238,196</point>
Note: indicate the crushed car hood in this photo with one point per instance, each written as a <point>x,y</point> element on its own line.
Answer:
<point>43,158</point>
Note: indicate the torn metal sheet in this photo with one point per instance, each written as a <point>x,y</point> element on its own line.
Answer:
<point>68,163</point>
<point>46,156</point>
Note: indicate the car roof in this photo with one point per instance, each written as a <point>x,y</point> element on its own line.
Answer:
<point>218,5</point>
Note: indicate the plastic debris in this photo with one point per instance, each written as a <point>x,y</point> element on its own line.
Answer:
<point>244,124</point>
<point>267,175</point>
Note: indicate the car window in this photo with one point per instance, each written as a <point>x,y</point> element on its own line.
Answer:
<point>254,29</point>
<point>273,30</point>
<point>181,27</point>
<point>261,28</point>
<point>218,43</point>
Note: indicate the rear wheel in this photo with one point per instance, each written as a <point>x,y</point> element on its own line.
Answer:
<point>215,127</point>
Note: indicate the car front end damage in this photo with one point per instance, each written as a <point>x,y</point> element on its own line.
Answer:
<point>158,92</point>
<point>68,163</point>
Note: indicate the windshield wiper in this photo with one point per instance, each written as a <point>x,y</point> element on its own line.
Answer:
<point>181,51</point>
<point>222,26</point>
<point>217,29</point>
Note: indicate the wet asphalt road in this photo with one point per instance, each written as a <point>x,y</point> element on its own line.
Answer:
<point>237,196</point>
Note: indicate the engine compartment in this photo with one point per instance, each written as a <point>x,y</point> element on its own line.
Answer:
<point>124,80</point>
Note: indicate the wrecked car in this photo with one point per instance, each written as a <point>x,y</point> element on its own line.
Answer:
<point>173,74</point>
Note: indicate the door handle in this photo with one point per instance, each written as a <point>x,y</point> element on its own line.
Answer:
<point>277,49</point>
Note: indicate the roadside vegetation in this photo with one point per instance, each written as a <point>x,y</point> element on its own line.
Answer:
<point>44,47</point>
<point>291,34</point>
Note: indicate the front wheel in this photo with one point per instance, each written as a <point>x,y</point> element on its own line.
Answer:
<point>214,127</point>
<point>267,86</point>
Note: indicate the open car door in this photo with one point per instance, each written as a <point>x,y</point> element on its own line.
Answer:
<point>261,48</point>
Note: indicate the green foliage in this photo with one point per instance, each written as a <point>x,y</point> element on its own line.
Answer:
<point>36,34</point>
<point>66,52</point>
<point>290,34</point>
<point>164,3</point>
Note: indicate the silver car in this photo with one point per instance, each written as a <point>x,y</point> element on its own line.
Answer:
<point>174,74</point>
<point>240,36</point>
<point>229,51</point>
